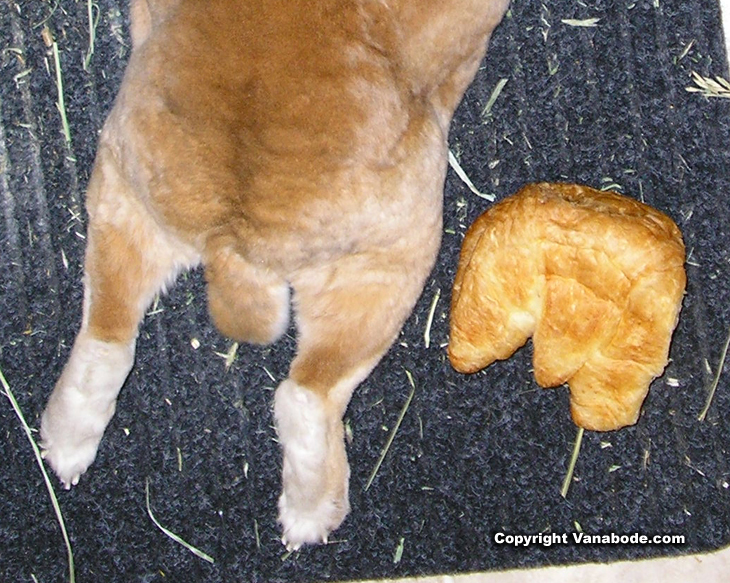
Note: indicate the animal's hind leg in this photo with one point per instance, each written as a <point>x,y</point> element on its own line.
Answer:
<point>128,260</point>
<point>348,315</point>
<point>247,303</point>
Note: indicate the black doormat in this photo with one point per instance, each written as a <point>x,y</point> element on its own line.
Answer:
<point>592,93</point>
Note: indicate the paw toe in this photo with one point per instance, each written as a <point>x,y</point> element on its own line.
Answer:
<point>309,525</point>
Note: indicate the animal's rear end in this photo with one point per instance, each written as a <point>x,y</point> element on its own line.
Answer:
<point>292,147</point>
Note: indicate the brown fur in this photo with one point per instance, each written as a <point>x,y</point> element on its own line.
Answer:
<point>285,144</point>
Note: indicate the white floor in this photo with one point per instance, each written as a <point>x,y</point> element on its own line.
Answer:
<point>705,568</point>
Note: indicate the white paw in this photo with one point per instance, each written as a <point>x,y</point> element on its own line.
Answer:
<point>81,405</point>
<point>315,472</point>
<point>310,525</point>
<point>69,460</point>
<point>71,429</point>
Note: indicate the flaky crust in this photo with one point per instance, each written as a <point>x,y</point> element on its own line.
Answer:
<point>594,277</point>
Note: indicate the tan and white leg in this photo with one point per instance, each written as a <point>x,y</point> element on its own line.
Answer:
<point>348,316</point>
<point>314,498</point>
<point>128,260</point>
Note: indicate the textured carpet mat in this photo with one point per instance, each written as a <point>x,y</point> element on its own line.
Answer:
<point>592,93</point>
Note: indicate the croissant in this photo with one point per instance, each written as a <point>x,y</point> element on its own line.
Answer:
<point>595,278</point>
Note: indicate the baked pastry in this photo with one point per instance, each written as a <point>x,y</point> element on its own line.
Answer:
<point>595,278</point>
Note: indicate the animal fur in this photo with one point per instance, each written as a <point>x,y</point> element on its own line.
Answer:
<point>297,149</point>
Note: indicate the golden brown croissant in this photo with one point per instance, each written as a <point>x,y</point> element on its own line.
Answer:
<point>594,277</point>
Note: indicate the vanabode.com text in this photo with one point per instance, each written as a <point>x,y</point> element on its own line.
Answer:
<point>581,538</point>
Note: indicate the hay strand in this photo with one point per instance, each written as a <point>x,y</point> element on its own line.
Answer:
<point>47,480</point>
<point>571,466</point>
<point>715,381</point>
<point>169,533</point>
<point>391,437</point>
<point>454,163</point>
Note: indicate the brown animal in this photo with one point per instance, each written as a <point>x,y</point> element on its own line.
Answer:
<point>297,149</point>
